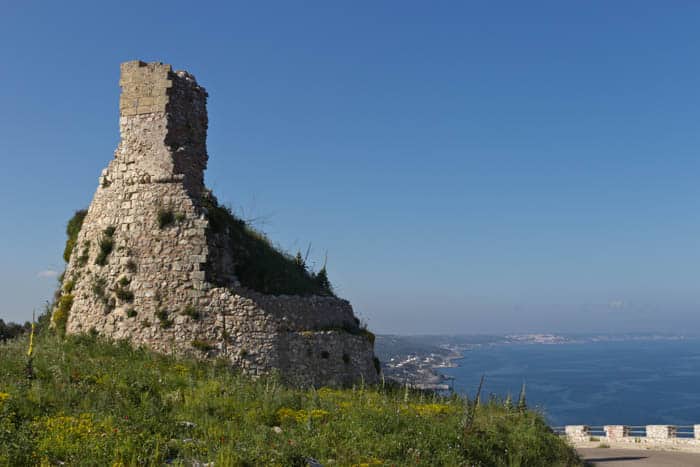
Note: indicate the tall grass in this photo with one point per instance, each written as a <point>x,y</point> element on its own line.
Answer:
<point>259,264</point>
<point>93,402</point>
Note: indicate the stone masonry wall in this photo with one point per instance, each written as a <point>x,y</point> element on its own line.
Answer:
<point>147,268</point>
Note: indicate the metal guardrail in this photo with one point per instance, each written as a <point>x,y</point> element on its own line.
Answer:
<point>638,431</point>
<point>685,431</point>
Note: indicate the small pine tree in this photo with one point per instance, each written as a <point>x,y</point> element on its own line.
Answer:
<point>300,262</point>
<point>322,281</point>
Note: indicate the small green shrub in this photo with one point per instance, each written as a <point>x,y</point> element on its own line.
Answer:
<point>84,255</point>
<point>131,266</point>
<point>163,318</point>
<point>106,245</point>
<point>72,230</point>
<point>60,314</point>
<point>122,290</point>
<point>369,335</point>
<point>166,218</point>
<point>68,286</point>
<point>125,295</point>
<point>180,217</point>
<point>99,288</point>
<point>191,311</point>
<point>131,313</point>
<point>202,345</point>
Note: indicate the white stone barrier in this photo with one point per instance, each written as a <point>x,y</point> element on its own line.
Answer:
<point>616,432</point>
<point>649,436</point>
<point>577,432</point>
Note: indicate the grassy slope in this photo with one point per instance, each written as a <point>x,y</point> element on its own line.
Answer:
<point>92,402</point>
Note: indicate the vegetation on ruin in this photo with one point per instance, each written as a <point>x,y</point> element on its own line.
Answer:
<point>166,217</point>
<point>61,312</point>
<point>164,318</point>
<point>84,255</point>
<point>72,230</point>
<point>259,264</point>
<point>191,311</point>
<point>106,245</point>
<point>87,401</point>
<point>203,346</point>
<point>122,291</point>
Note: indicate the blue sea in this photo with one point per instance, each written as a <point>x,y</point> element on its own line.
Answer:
<point>608,383</point>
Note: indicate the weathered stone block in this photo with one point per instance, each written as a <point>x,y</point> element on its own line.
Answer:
<point>577,433</point>
<point>616,432</point>
<point>658,432</point>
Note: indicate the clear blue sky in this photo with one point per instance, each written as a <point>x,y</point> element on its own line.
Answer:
<point>468,166</point>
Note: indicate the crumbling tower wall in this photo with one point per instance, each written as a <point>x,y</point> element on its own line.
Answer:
<point>148,267</point>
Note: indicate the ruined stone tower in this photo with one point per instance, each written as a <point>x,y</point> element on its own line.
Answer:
<point>159,263</point>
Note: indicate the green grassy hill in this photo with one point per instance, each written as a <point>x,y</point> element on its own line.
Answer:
<point>86,401</point>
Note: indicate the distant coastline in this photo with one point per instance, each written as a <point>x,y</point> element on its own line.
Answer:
<point>418,360</point>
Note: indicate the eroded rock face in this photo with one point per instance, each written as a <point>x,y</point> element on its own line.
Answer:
<point>147,267</point>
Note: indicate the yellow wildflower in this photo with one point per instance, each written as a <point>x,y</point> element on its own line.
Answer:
<point>182,369</point>
<point>30,351</point>
<point>430,410</point>
<point>286,414</point>
<point>319,414</point>
<point>290,415</point>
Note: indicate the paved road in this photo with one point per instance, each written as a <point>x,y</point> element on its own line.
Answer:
<point>623,457</point>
